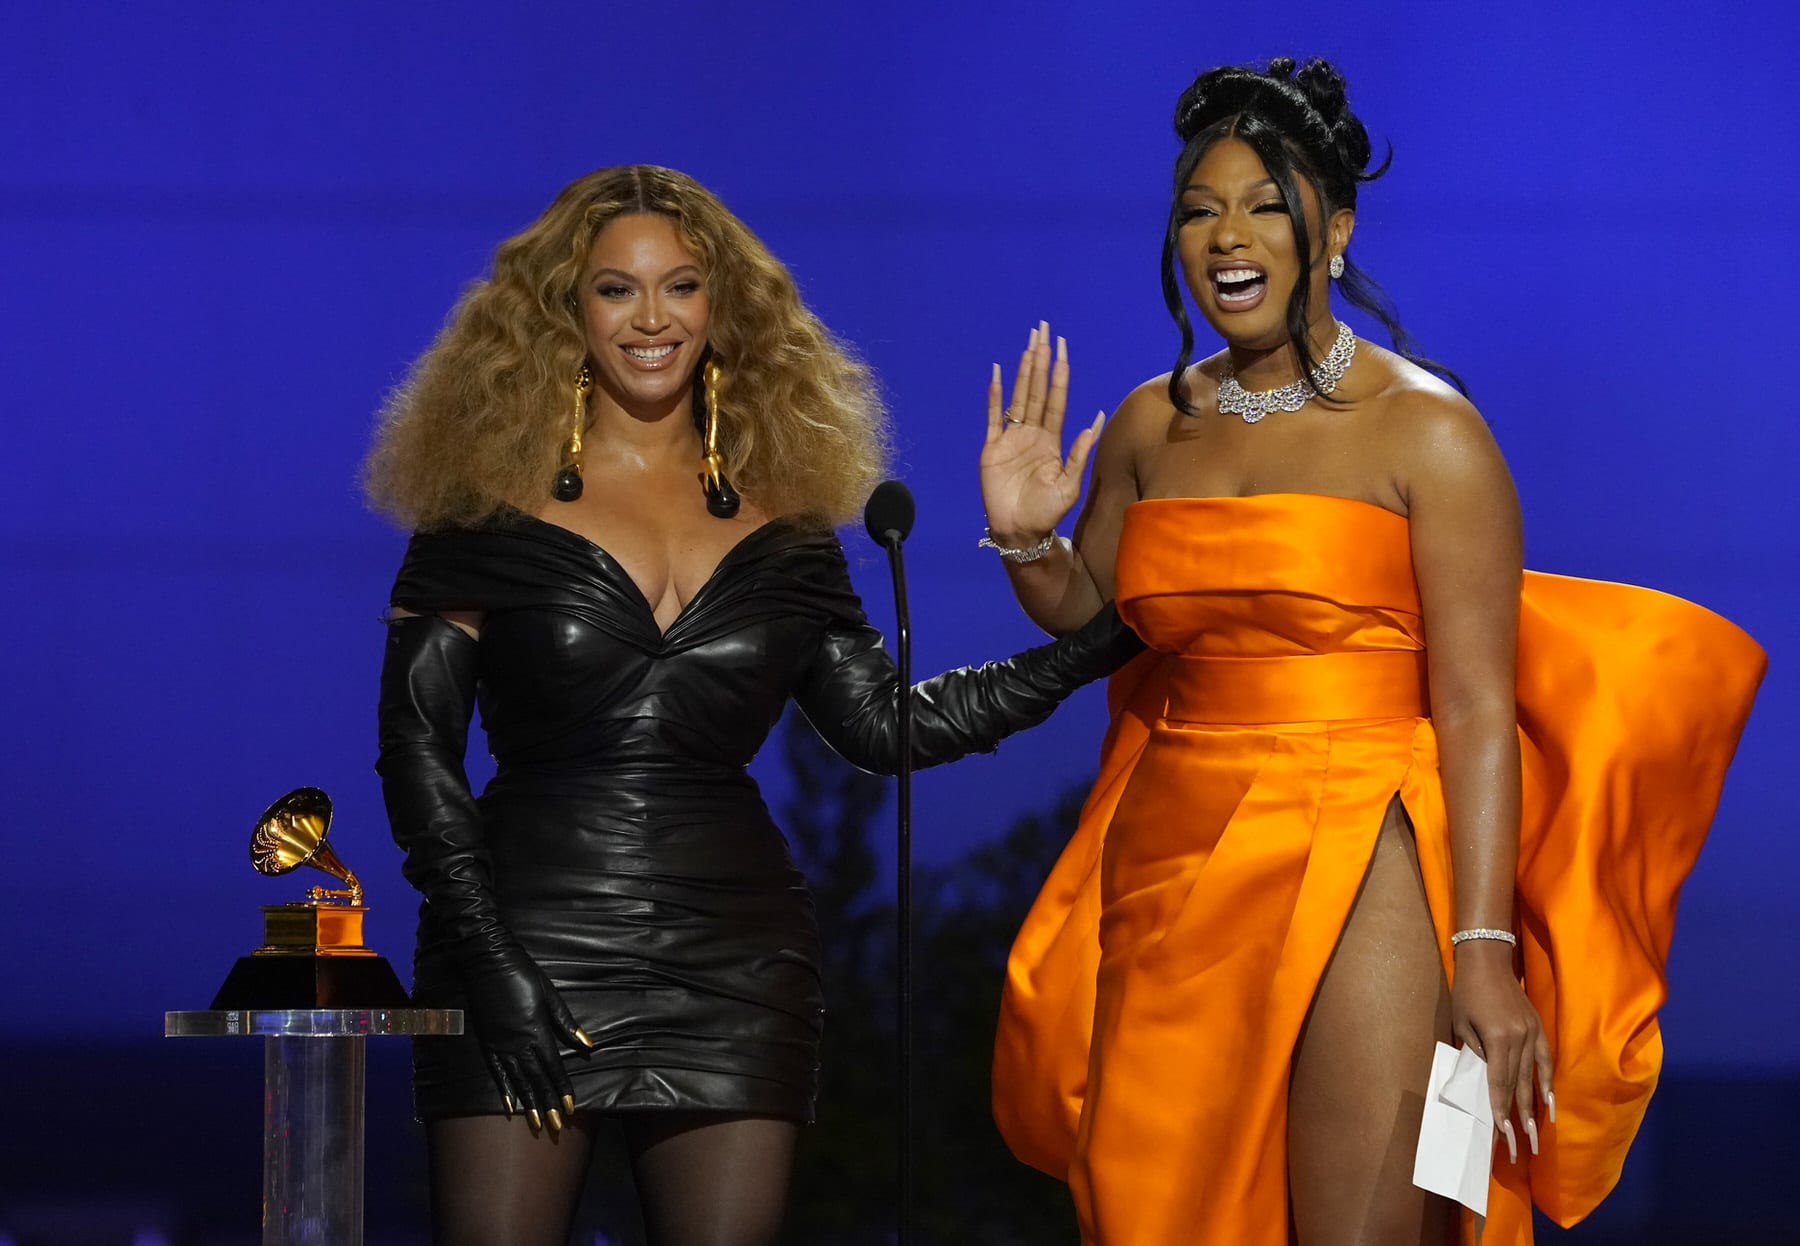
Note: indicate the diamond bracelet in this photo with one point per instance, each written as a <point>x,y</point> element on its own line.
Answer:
<point>1029,553</point>
<point>1483,932</point>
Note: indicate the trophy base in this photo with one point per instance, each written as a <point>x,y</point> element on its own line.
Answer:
<point>313,929</point>
<point>264,981</point>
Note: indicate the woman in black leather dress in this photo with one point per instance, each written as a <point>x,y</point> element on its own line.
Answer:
<point>617,914</point>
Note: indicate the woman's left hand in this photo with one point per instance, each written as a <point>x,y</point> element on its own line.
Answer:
<point>1492,1016</point>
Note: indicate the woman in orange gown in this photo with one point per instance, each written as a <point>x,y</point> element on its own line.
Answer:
<point>1320,845</point>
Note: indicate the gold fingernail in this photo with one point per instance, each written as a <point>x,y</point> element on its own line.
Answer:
<point>537,1122</point>
<point>509,1104</point>
<point>569,1104</point>
<point>585,1040</point>
<point>555,1121</point>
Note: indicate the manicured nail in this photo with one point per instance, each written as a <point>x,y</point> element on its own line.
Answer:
<point>1550,1102</point>
<point>569,1104</point>
<point>996,374</point>
<point>1031,340</point>
<point>1062,349</point>
<point>509,1104</point>
<point>585,1040</point>
<point>537,1121</point>
<point>555,1121</point>
<point>1512,1143</point>
<point>1531,1132</point>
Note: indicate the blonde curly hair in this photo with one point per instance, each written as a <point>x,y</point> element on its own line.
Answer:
<point>481,420</point>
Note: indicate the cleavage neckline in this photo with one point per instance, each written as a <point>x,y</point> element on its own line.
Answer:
<point>648,611</point>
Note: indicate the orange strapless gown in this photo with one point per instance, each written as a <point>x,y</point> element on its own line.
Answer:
<point>1156,991</point>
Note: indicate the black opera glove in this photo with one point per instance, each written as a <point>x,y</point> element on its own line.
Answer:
<point>428,679</point>
<point>848,690</point>
<point>520,1022</point>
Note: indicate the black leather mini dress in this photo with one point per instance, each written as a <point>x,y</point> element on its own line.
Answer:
<point>621,842</point>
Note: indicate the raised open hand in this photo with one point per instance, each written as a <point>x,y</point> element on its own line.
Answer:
<point>1026,484</point>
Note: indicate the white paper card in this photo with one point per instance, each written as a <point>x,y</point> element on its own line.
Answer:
<point>1456,1137</point>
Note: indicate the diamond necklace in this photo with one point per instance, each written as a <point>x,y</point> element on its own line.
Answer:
<point>1254,404</point>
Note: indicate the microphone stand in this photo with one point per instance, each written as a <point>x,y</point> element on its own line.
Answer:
<point>888,519</point>
<point>903,872</point>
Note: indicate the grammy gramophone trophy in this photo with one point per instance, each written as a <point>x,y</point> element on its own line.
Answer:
<point>312,954</point>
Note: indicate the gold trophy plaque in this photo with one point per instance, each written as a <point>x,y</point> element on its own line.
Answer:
<point>312,954</point>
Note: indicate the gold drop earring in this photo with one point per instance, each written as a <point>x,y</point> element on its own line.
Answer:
<point>568,480</point>
<point>721,499</point>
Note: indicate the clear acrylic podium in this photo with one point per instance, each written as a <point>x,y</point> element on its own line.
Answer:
<point>313,1068</point>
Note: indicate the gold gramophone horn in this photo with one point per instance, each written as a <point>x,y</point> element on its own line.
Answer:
<point>312,955</point>
<point>291,833</point>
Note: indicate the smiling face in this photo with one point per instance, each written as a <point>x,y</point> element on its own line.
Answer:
<point>1237,251</point>
<point>644,310</point>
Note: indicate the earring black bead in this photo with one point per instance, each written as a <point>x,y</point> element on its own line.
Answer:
<point>567,487</point>
<point>722,500</point>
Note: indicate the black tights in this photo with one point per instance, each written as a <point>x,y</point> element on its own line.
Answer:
<point>703,1178</point>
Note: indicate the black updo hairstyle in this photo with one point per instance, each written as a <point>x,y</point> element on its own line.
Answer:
<point>1295,122</point>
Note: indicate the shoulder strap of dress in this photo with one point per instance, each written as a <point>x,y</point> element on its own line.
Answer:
<point>492,567</point>
<point>806,569</point>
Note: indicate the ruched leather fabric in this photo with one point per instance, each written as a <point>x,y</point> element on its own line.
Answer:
<point>620,843</point>
<point>1157,988</point>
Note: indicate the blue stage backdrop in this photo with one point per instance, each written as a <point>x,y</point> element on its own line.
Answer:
<point>229,227</point>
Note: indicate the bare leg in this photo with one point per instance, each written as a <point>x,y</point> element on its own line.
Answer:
<point>711,1179</point>
<point>1361,1065</point>
<point>495,1183</point>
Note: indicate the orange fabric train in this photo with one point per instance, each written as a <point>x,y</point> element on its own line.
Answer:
<point>1157,988</point>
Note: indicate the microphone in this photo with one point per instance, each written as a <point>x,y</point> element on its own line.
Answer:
<point>889,514</point>
<point>889,520</point>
